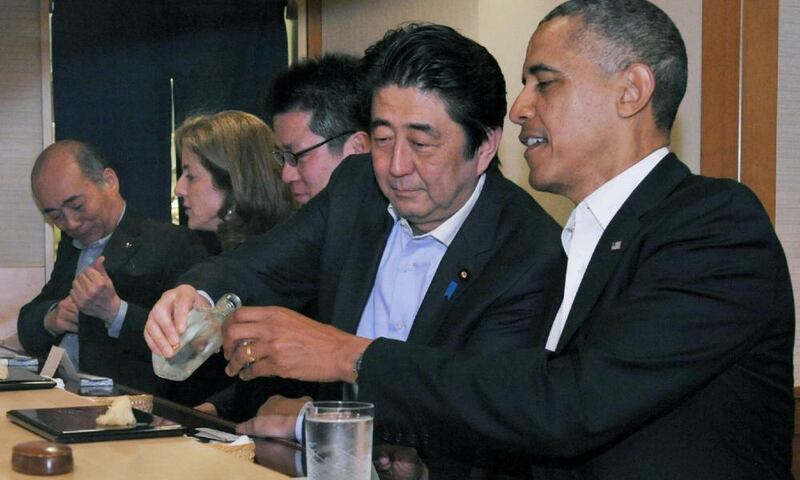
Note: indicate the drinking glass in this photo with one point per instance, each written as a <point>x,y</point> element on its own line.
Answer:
<point>339,440</point>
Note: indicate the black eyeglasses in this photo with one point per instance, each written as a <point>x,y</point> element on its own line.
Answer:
<point>284,157</point>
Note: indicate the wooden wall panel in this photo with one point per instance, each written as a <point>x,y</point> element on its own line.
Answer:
<point>760,98</point>
<point>739,93</point>
<point>314,28</point>
<point>720,89</point>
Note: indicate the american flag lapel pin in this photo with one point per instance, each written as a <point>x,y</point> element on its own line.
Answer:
<point>616,245</point>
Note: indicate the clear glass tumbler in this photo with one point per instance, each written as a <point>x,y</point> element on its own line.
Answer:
<point>339,440</point>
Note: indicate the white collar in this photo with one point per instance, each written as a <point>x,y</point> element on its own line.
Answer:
<point>606,201</point>
<point>446,232</point>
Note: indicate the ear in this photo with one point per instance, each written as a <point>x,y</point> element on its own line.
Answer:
<point>357,143</point>
<point>488,149</point>
<point>110,180</point>
<point>639,82</point>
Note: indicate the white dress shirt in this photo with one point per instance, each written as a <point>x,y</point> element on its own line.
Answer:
<point>586,225</point>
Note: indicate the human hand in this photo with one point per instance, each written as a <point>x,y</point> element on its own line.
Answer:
<point>167,319</point>
<point>93,292</point>
<point>62,318</point>
<point>208,408</point>
<point>393,462</point>
<point>275,418</point>
<point>270,341</point>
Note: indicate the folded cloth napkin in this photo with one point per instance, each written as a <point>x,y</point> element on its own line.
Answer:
<point>220,436</point>
<point>92,381</point>
<point>22,361</point>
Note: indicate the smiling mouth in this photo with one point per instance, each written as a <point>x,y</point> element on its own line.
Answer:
<point>532,141</point>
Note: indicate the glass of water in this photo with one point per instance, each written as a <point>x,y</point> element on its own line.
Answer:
<point>339,440</point>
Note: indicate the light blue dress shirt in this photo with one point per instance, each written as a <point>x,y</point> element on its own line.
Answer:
<point>407,267</point>
<point>90,253</point>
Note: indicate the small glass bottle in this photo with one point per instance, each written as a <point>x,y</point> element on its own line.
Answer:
<point>201,339</point>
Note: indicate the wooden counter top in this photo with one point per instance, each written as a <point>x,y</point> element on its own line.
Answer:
<point>171,458</point>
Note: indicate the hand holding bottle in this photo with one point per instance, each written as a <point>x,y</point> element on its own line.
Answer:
<point>201,339</point>
<point>167,319</point>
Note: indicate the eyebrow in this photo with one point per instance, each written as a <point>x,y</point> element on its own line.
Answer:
<point>539,68</point>
<point>71,199</point>
<point>378,122</point>
<point>425,128</point>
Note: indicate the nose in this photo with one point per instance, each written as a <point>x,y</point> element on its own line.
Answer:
<point>71,221</point>
<point>402,162</point>
<point>523,109</point>
<point>289,173</point>
<point>180,187</point>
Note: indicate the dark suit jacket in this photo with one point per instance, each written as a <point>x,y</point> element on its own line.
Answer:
<point>675,362</point>
<point>143,258</point>
<point>330,252</point>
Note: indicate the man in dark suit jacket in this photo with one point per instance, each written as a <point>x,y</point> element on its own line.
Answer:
<point>431,181</point>
<point>132,259</point>
<point>671,352</point>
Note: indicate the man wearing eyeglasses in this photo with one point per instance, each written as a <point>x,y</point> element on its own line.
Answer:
<point>317,120</point>
<point>422,241</point>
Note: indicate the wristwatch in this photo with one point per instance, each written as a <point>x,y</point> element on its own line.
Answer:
<point>357,367</point>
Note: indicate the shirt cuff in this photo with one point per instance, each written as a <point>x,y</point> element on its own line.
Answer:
<point>298,426</point>
<point>53,306</point>
<point>116,326</point>
<point>205,295</point>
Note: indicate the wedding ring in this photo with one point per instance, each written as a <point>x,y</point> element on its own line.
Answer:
<point>248,352</point>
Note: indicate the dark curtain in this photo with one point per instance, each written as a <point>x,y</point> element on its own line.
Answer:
<point>112,64</point>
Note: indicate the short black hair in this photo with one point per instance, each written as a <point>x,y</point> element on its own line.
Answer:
<point>327,87</point>
<point>438,59</point>
<point>633,31</point>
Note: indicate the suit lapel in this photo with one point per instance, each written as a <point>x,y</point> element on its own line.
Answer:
<point>368,240</point>
<point>618,237</point>
<point>67,256</point>
<point>463,261</point>
<point>123,244</point>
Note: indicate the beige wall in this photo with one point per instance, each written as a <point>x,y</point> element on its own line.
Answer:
<point>24,129</point>
<point>787,186</point>
<point>504,27</point>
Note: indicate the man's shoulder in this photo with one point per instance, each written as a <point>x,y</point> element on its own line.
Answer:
<point>354,177</point>
<point>148,230</point>
<point>517,203</point>
<point>697,194</point>
<point>133,222</point>
<point>354,166</point>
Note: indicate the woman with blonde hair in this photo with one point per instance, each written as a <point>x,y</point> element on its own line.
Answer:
<point>229,183</point>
